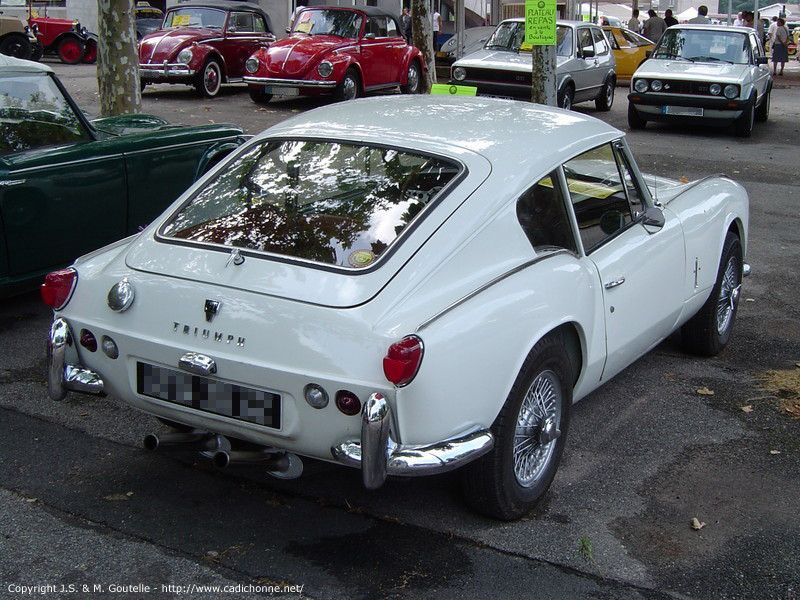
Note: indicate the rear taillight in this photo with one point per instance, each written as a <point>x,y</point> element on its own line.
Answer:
<point>402,361</point>
<point>58,287</point>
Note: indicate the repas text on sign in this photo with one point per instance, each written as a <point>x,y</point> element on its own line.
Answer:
<point>540,22</point>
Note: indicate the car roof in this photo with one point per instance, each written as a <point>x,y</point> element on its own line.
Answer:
<point>498,129</point>
<point>9,64</point>
<point>226,5</point>
<point>370,11</point>
<point>713,28</point>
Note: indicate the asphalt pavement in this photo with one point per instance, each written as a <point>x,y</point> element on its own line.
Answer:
<point>671,439</point>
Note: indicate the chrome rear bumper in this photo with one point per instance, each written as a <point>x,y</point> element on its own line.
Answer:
<point>378,455</point>
<point>62,377</point>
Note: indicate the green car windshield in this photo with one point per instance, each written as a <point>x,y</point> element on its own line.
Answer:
<point>510,35</point>
<point>703,45</point>
<point>35,114</point>
<point>337,204</point>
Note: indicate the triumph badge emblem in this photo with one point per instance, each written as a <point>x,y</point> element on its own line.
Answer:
<point>211,309</point>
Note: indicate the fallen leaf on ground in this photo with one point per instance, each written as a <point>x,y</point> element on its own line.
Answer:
<point>684,179</point>
<point>774,451</point>
<point>704,391</point>
<point>115,497</point>
<point>748,408</point>
<point>697,524</point>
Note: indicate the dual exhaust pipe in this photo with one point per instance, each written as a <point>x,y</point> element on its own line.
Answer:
<point>283,465</point>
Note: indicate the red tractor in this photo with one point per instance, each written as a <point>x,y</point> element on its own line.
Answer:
<point>63,37</point>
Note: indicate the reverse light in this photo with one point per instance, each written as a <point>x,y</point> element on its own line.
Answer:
<point>401,363</point>
<point>315,395</point>
<point>58,287</point>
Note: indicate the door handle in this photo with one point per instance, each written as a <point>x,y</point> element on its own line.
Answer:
<point>616,283</point>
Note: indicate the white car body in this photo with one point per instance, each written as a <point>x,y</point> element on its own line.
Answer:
<point>582,74</point>
<point>463,277</point>
<point>687,77</point>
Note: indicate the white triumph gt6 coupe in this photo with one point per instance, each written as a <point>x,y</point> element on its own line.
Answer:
<point>404,285</point>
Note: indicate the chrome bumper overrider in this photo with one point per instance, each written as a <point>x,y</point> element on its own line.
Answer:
<point>62,377</point>
<point>378,455</point>
<point>304,83</point>
<point>165,70</point>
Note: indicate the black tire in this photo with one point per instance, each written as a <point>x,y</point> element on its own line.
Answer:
<point>709,331</point>
<point>209,79</point>
<point>606,97</point>
<point>414,79</point>
<point>90,52</point>
<point>70,50</point>
<point>635,120</point>
<point>743,126</point>
<point>501,484</point>
<point>349,87</point>
<point>37,51</point>
<point>258,95</point>
<point>16,45</point>
<point>762,112</point>
<point>566,97</point>
<point>142,85</point>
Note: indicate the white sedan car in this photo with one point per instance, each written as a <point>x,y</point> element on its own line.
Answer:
<point>703,74</point>
<point>404,285</point>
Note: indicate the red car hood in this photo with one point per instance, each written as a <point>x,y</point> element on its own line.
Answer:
<point>166,43</point>
<point>291,57</point>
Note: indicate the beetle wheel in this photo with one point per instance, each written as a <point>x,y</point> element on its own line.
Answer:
<point>70,50</point>
<point>708,332</point>
<point>530,433</point>
<point>413,80</point>
<point>209,79</point>
<point>349,88</point>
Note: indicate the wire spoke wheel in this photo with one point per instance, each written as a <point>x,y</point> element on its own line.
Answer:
<point>728,296</point>
<point>537,428</point>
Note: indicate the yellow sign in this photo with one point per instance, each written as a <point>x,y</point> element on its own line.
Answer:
<point>540,22</point>
<point>180,20</point>
<point>453,90</point>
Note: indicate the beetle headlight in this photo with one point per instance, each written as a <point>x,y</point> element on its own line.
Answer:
<point>715,89</point>
<point>656,85</point>
<point>325,69</point>
<point>185,56</point>
<point>251,65</point>
<point>640,85</point>
<point>459,74</point>
<point>731,91</point>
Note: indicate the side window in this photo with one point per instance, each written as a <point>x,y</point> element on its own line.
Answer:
<point>631,187</point>
<point>614,41</point>
<point>259,25</point>
<point>241,22</point>
<point>542,213</point>
<point>600,42</point>
<point>599,195</point>
<point>391,28</point>
<point>376,25</point>
<point>585,39</point>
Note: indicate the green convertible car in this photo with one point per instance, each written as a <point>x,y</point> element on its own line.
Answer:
<point>69,185</point>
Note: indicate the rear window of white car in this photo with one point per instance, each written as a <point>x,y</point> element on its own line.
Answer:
<point>336,204</point>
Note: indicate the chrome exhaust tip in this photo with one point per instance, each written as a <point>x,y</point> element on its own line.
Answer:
<point>196,439</point>
<point>283,465</point>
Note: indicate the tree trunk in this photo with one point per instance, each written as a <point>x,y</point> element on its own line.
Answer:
<point>117,59</point>
<point>543,81</point>
<point>422,29</point>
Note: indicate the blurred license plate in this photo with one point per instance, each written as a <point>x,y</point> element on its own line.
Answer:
<point>687,111</point>
<point>209,395</point>
<point>281,91</point>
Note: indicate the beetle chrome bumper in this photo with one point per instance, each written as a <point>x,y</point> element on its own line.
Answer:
<point>378,455</point>
<point>62,377</point>
<point>167,70</point>
<point>298,83</point>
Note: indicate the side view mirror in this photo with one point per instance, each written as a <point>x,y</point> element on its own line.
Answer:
<point>587,52</point>
<point>370,36</point>
<point>653,220</point>
<point>762,60</point>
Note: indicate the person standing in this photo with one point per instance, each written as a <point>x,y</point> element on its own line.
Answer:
<point>405,25</point>
<point>779,44</point>
<point>654,26</point>
<point>701,18</point>
<point>437,28</point>
<point>669,19</point>
<point>633,22</point>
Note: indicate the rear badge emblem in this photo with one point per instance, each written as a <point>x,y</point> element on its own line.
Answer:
<point>211,309</point>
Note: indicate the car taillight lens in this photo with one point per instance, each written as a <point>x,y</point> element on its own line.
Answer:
<point>402,361</point>
<point>58,287</point>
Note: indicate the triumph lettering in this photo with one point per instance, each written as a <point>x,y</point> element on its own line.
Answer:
<point>218,336</point>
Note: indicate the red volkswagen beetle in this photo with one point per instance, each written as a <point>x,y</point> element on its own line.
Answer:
<point>204,43</point>
<point>336,50</point>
